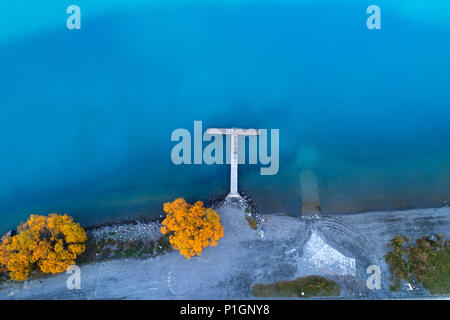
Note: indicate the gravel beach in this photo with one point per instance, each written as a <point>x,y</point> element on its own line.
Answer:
<point>339,247</point>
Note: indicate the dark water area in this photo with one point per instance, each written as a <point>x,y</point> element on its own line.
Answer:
<point>86,116</point>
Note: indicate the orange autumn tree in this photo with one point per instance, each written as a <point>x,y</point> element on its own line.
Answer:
<point>191,227</point>
<point>51,243</point>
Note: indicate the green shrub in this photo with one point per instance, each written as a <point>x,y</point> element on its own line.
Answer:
<point>311,286</point>
<point>252,222</point>
<point>428,261</point>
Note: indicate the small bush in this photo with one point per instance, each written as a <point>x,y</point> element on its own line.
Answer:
<point>397,265</point>
<point>311,286</point>
<point>252,222</point>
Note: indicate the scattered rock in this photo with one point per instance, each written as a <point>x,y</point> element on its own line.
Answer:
<point>11,233</point>
<point>311,217</point>
<point>128,232</point>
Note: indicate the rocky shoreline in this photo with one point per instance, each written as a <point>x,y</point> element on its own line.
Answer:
<point>148,229</point>
<point>127,232</point>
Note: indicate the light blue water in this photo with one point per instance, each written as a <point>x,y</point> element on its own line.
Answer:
<point>86,116</point>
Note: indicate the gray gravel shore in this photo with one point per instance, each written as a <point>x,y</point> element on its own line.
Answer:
<point>242,258</point>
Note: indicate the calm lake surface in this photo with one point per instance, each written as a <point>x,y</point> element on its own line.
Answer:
<point>87,115</point>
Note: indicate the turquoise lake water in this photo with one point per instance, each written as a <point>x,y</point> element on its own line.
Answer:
<point>87,115</point>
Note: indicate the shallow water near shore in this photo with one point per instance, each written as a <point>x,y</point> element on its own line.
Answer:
<point>88,115</point>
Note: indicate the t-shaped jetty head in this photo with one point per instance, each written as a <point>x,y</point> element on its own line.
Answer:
<point>233,131</point>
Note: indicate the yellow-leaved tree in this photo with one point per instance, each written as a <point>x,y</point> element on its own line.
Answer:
<point>51,243</point>
<point>191,227</point>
